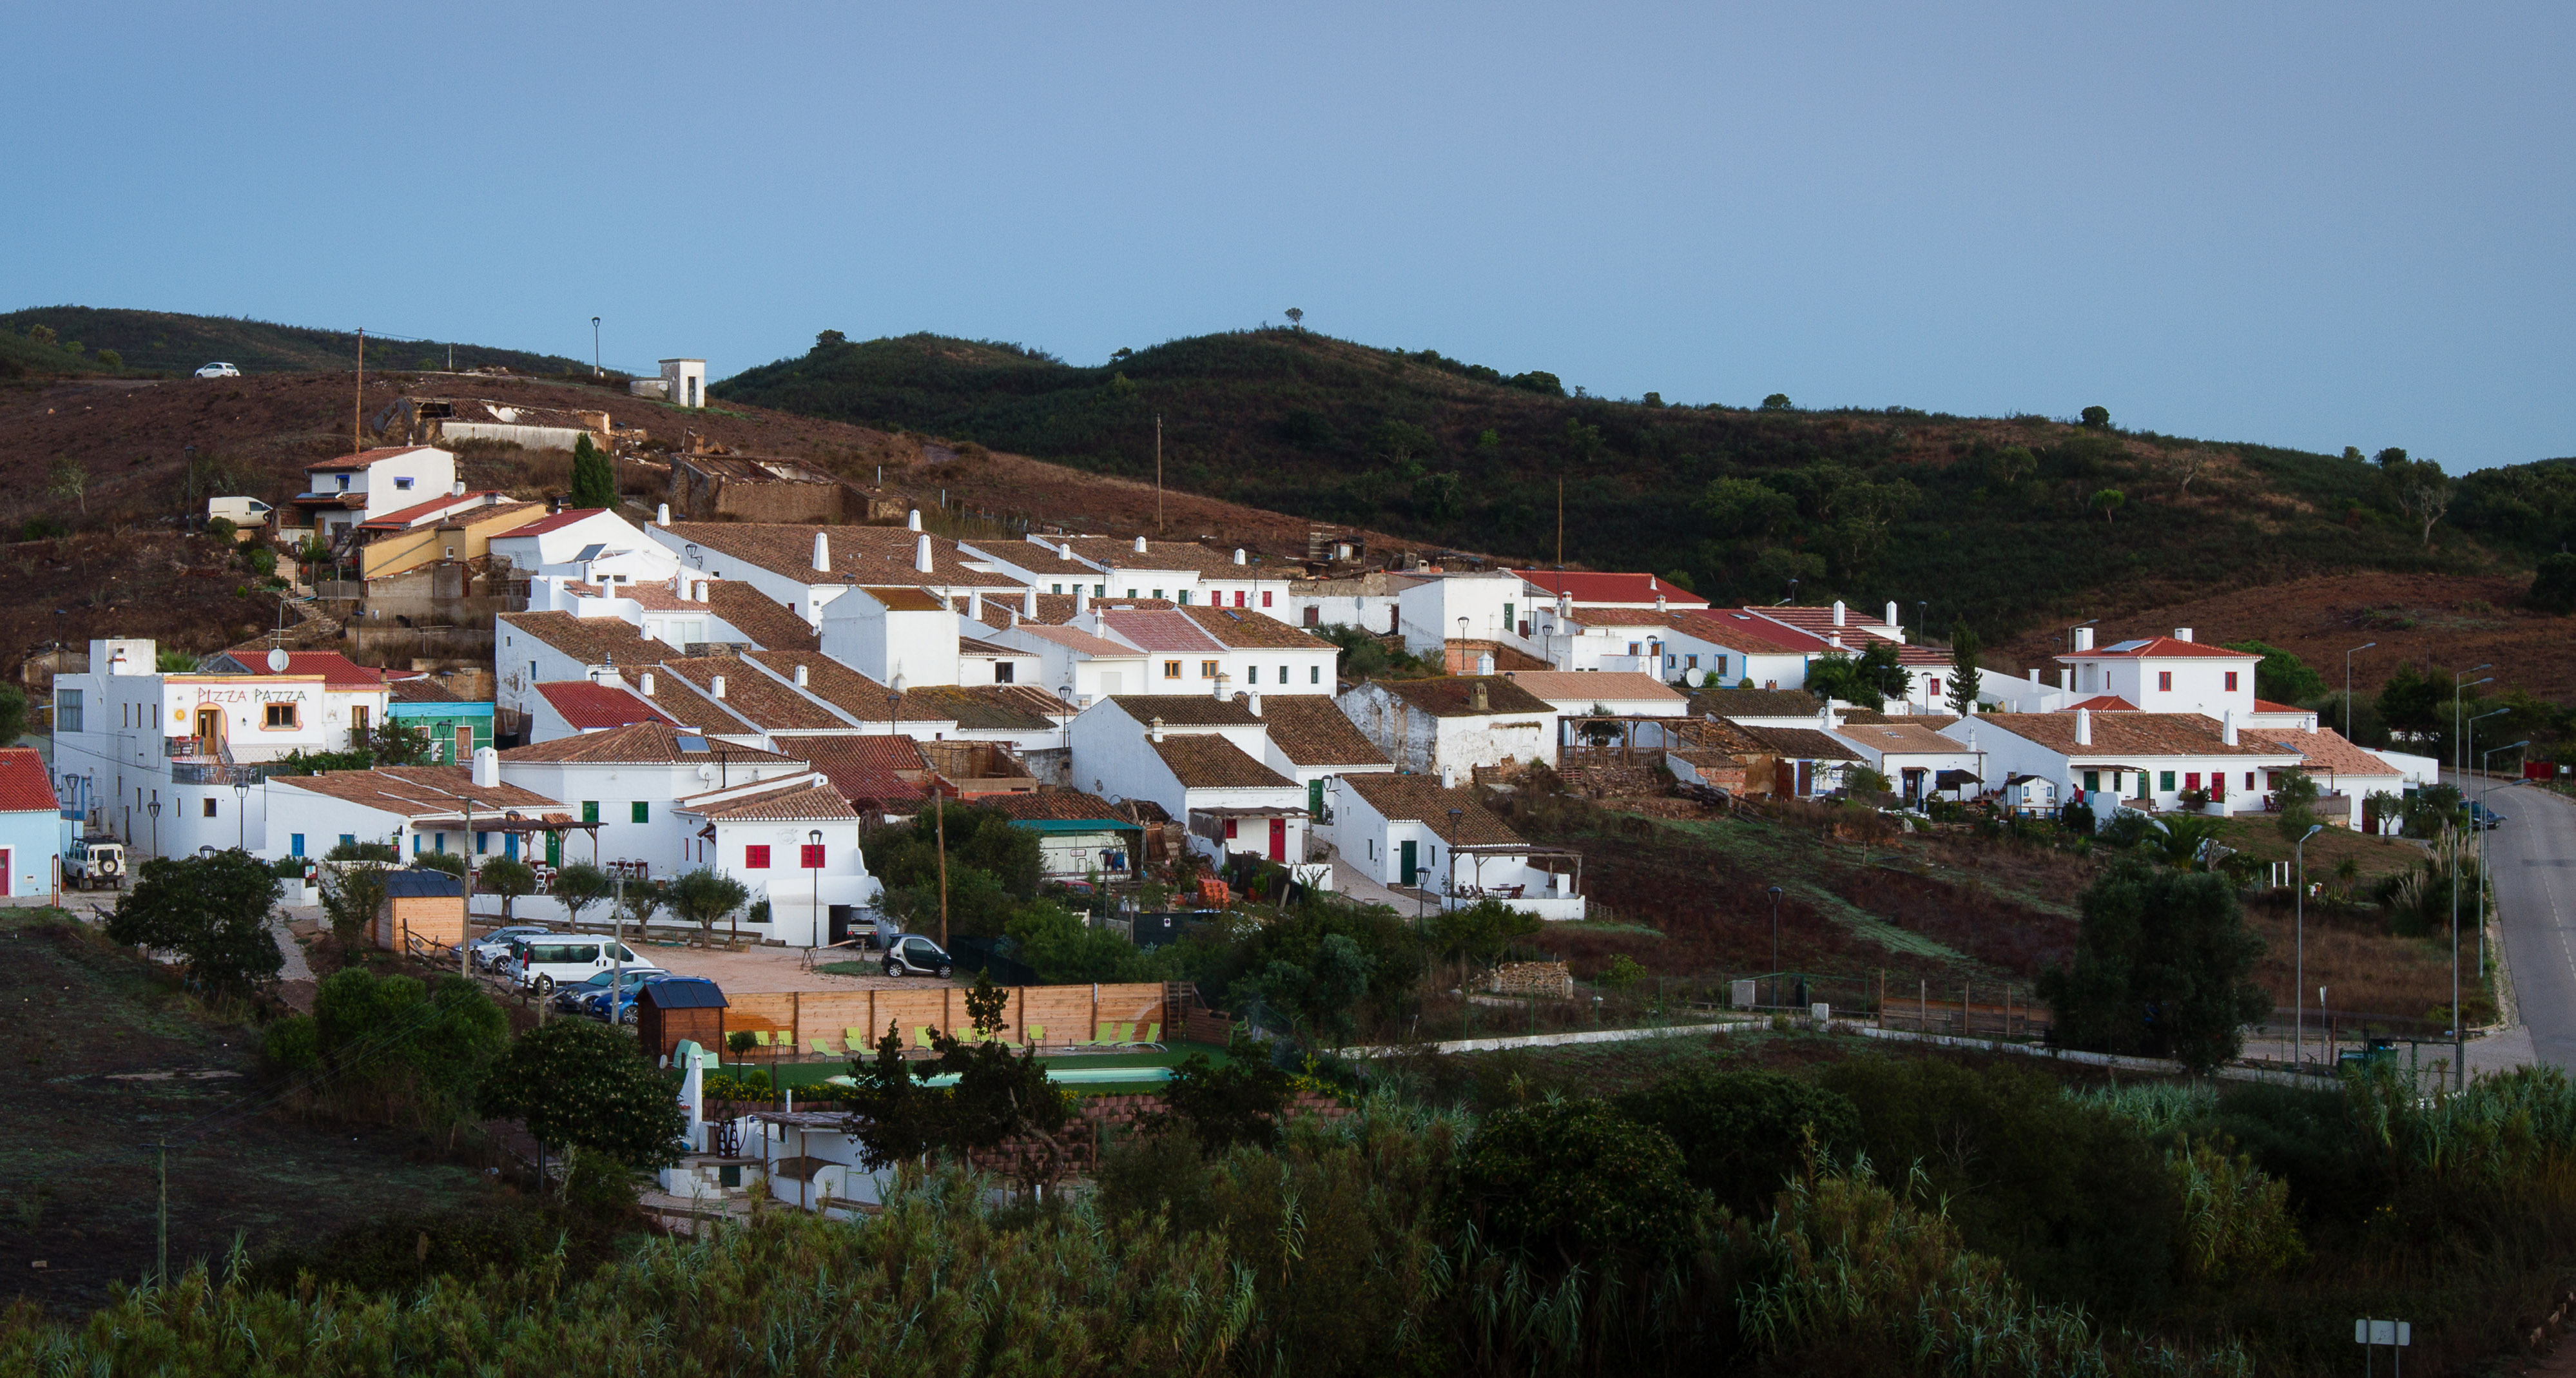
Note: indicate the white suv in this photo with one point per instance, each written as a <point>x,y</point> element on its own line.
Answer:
<point>219,371</point>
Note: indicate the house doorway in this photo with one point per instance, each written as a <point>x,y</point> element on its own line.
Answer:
<point>210,730</point>
<point>1279,839</point>
<point>840,921</point>
<point>1405,862</point>
<point>1913,785</point>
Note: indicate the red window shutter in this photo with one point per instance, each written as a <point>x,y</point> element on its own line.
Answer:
<point>2231,681</point>
<point>1229,829</point>
<point>755,858</point>
<point>810,856</point>
<point>2164,680</point>
<point>1265,598</point>
<point>2191,779</point>
<point>1238,598</point>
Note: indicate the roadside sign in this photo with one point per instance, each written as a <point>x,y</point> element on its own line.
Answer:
<point>2372,1333</point>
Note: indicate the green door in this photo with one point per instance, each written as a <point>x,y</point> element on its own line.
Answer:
<point>1405,859</point>
<point>554,849</point>
<point>1315,797</point>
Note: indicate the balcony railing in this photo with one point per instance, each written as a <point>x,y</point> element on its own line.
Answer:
<point>222,773</point>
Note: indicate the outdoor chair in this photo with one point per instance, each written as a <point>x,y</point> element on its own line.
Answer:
<point>1153,1037</point>
<point>822,1047</point>
<point>857,1039</point>
<point>921,1037</point>
<point>760,1037</point>
<point>1037,1035</point>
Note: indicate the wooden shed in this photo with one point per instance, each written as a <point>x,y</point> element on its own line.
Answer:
<point>421,904</point>
<point>682,1007</point>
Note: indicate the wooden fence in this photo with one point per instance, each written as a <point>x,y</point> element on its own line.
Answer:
<point>1065,1014</point>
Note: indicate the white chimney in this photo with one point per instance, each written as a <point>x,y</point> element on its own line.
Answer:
<point>1825,716</point>
<point>1154,729</point>
<point>1064,550</point>
<point>1081,599</point>
<point>1029,601</point>
<point>921,555</point>
<point>800,675</point>
<point>2065,679</point>
<point>1140,545</point>
<point>703,591</point>
<point>2182,633</point>
<point>912,520</point>
<point>1564,607</point>
<point>487,768</point>
<point>2084,727</point>
<point>1841,615</point>
<point>974,605</point>
<point>2083,639</point>
<point>822,553</point>
<point>648,684</point>
<point>1659,602</point>
<point>456,490</point>
<point>718,686</point>
<point>1223,682</point>
<point>2034,674</point>
<point>1015,618</point>
<point>1254,702</point>
<point>662,515</point>
<point>2226,725</point>
<point>1484,662</point>
<point>1238,555</point>
<point>1891,613</point>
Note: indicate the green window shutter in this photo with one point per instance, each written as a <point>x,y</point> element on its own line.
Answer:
<point>2165,781</point>
<point>1315,796</point>
<point>642,813</point>
<point>589,810</point>
<point>2092,781</point>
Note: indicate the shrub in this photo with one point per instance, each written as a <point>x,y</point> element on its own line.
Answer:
<point>1576,1180</point>
<point>2553,587</point>
<point>1743,1135</point>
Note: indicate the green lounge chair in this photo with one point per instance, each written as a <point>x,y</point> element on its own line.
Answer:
<point>760,1037</point>
<point>921,1037</point>
<point>1037,1035</point>
<point>822,1046</point>
<point>1152,1037</point>
<point>857,1039</point>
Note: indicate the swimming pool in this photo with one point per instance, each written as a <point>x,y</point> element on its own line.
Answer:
<point>1069,1076</point>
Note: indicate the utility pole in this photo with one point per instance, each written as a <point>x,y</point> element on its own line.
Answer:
<point>940,804</point>
<point>1158,507</point>
<point>358,400</point>
<point>594,347</point>
<point>162,1277</point>
<point>1560,529</point>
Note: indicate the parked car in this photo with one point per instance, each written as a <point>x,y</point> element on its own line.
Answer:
<point>2480,816</point>
<point>540,964</point>
<point>95,861</point>
<point>913,953</point>
<point>491,947</point>
<point>591,997</point>
<point>219,370</point>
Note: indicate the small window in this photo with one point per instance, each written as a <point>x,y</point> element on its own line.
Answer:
<point>640,812</point>
<point>589,810</point>
<point>295,844</point>
<point>1102,591</point>
<point>1057,588</point>
<point>1932,685</point>
<point>1314,674</point>
<point>281,715</point>
<point>2191,780</point>
<point>2164,681</point>
<point>344,482</point>
<point>1159,593</point>
<point>2249,779</point>
<point>810,855</point>
<point>1131,593</point>
<point>1207,669</point>
<point>1171,669</point>
<point>482,842</point>
<point>1251,674</point>
<point>2165,780</point>
<point>755,858</point>
<point>1185,598</point>
<point>1238,598</point>
<point>210,806</point>
<point>2231,681</point>
<point>1003,671</point>
<point>351,839</point>
<point>67,710</point>
<point>1265,599</point>
<point>402,485</point>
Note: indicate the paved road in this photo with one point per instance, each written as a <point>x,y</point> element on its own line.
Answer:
<point>2533,856</point>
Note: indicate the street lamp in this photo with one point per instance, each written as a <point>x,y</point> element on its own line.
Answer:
<point>241,815</point>
<point>594,347</point>
<point>2299,940</point>
<point>2347,687</point>
<point>1455,816</point>
<point>1775,947</point>
<point>2485,883</point>
<point>1463,663</point>
<point>1065,692</point>
<point>2458,761</point>
<point>1793,595</point>
<point>154,809</point>
<point>814,868</point>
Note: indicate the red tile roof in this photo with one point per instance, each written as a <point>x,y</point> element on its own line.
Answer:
<point>886,770</point>
<point>2267,706</point>
<point>337,671</point>
<point>1168,631</point>
<point>438,506</point>
<point>1743,631</point>
<point>1421,799</point>
<point>26,783</point>
<point>866,555</point>
<point>557,522</point>
<point>1610,588</point>
<point>655,743</point>
<point>363,458</point>
<point>788,803</point>
<point>2103,703</point>
<point>1247,630</point>
<point>2160,647</point>
<point>590,707</point>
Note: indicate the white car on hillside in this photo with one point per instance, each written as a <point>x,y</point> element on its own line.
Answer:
<point>219,371</point>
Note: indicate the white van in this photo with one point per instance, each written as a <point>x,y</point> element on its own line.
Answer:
<point>544,961</point>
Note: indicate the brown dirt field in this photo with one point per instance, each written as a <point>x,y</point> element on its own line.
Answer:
<point>2365,972</point>
<point>2441,619</point>
<point>128,581</point>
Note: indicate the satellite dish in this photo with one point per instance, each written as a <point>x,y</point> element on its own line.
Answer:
<point>1694,678</point>
<point>277,661</point>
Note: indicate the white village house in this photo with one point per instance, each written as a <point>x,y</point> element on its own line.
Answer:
<point>1446,727</point>
<point>1409,831</point>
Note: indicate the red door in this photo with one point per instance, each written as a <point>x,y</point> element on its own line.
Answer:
<point>1279,839</point>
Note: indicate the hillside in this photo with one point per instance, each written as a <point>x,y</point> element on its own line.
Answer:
<point>170,342</point>
<point>1991,522</point>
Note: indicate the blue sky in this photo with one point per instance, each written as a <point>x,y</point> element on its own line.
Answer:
<point>2304,225</point>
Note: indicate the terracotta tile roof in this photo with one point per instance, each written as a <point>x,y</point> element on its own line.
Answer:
<point>1722,736</point>
<point>2104,703</point>
<point>590,640</point>
<point>1032,556</point>
<point>364,458</point>
<point>898,598</point>
<point>463,504</point>
<point>1076,640</point>
<point>1857,625</point>
<point>1189,710</point>
<point>866,555</point>
<point>1566,686</point>
<point>795,802</point>
<point>2326,751</point>
<point>840,686</point>
<point>1166,632</point>
<point>1178,555</point>
<point>655,743</point>
<point>1420,799</point>
<point>337,671</point>
<point>887,770</point>
<point>2129,734</point>
<point>2160,648</point>
<point>419,689</point>
<point>587,706</point>
<point>418,791</point>
<point>1903,738</point>
<point>1055,806</point>
<point>1134,604</point>
<point>1204,760</point>
<point>1312,730</point>
<point>1054,610</point>
<point>557,522</point>
<point>969,646</point>
<point>26,782</point>
<point>751,695</point>
<point>1743,632</point>
<point>1251,630</point>
<point>1756,703</point>
<point>682,704</point>
<point>2267,706</point>
<point>1803,743</point>
<point>770,624</point>
<point>1450,697</point>
<point>989,707</point>
<point>1609,588</point>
